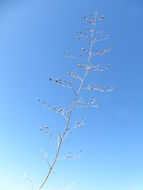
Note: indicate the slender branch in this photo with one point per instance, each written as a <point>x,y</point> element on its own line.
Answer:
<point>71,110</point>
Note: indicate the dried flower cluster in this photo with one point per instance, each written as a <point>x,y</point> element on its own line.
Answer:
<point>87,57</point>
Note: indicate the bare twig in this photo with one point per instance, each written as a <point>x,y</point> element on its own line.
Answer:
<point>30,180</point>
<point>81,103</point>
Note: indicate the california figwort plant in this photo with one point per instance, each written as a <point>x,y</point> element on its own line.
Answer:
<point>87,60</point>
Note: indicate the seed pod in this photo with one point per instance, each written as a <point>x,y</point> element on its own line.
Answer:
<point>102,16</point>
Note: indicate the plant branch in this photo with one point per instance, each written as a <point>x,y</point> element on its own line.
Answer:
<point>72,108</point>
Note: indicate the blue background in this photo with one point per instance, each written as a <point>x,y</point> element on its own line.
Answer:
<point>33,38</point>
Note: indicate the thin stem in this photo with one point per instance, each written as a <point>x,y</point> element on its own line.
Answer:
<point>71,110</point>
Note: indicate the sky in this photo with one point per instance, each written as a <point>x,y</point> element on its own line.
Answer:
<point>34,36</point>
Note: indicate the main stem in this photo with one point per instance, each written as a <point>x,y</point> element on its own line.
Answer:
<point>70,113</point>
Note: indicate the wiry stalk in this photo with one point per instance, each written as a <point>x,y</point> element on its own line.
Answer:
<point>71,110</point>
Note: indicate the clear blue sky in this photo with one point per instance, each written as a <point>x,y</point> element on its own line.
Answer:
<point>33,38</point>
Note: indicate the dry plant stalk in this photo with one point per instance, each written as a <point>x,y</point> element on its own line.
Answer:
<point>91,36</point>
<point>30,180</point>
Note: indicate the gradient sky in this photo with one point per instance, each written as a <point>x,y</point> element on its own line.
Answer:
<point>34,34</point>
